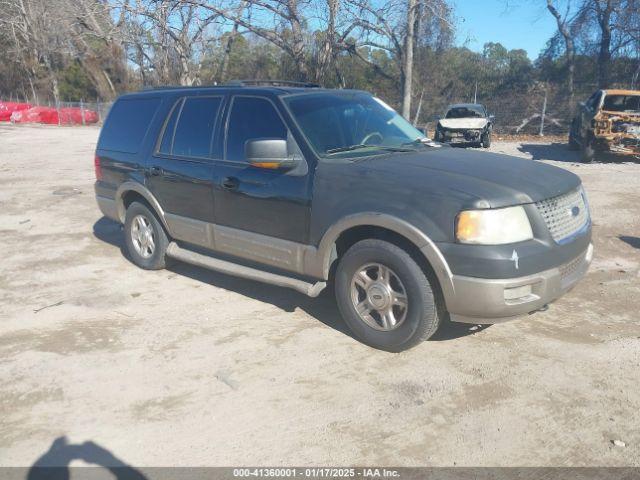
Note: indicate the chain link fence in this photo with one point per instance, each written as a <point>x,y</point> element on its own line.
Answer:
<point>541,110</point>
<point>544,109</point>
<point>52,113</point>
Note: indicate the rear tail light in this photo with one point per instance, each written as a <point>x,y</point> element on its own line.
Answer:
<point>98,167</point>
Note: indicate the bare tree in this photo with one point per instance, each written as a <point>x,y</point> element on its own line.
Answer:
<point>329,41</point>
<point>409,43</point>
<point>396,27</point>
<point>231,38</point>
<point>35,40</point>
<point>96,39</point>
<point>285,28</point>
<point>564,28</point>
<point>604,10</point>
<point>167,37</point>
<point>48,36</point>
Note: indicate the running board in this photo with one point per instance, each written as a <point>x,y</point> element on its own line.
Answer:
<point>223,266</point>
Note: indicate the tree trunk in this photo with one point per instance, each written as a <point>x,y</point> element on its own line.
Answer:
<point>570,54</point>
<point>327,50</point>
<point>604,55</point>
<point>185,76</point>
<point>297,34</point>
<point>408,59</point>
<point>52,77</point>
<point>224,63</point>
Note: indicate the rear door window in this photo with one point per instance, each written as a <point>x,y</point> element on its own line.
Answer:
<point>127,124</point>
<point>166,144</point>
<point>250,118</point>
<point>189,129</point>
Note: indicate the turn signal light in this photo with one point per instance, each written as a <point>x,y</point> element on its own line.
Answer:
<point>269,165</point>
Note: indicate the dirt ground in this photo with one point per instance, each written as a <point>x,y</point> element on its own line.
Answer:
<point>188,367</point>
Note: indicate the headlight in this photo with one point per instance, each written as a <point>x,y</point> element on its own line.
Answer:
<point>493,227</point>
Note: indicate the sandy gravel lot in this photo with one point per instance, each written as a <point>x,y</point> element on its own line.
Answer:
<point>189,367</point>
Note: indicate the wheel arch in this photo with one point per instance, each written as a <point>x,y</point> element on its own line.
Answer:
<point>129,192</point>
<point>357,227</point>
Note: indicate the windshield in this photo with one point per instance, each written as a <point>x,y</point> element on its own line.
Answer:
<point>465,112</point>
<point>622,103</point>
<point>352,124</point>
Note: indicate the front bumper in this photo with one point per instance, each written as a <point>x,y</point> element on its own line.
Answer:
<point>620,145</point>
<point>461,135</point>
<point>479,300</point>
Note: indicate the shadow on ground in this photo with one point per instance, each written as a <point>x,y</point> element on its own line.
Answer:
<point>633,241</point>
<point>54,463</point>
<point>558,152</point>
<point>322,308</point>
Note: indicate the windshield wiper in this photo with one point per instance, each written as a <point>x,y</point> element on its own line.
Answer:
<point>426,142</point>
<point>358,146</point>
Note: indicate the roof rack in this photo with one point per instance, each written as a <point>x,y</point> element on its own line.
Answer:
<point>172,87</point>
<point>271,83</point>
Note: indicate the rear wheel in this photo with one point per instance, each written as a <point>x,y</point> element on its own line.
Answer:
<point>145,237</point>
<point>385,297</point>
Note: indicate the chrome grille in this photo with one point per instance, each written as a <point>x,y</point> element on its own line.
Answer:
<point>565,214</point>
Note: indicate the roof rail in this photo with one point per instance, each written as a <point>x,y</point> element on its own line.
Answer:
<point>170,87</point>
<point>271,83</point>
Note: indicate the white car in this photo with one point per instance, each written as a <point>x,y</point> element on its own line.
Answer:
<point>465,123</point>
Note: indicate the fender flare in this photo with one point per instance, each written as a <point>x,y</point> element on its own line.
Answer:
<point>145,193</point>
<point>326,247</point>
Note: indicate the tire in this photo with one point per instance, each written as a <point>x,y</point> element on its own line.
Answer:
<point>150,256</point>
<point>588,153</point>
<point>573,144</point>
<point>416,322</point>
<point>486,140</point>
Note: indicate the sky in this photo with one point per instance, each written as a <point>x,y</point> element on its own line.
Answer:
<point>524,24</point>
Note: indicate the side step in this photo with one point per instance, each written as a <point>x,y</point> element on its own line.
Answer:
<point>223,266</point>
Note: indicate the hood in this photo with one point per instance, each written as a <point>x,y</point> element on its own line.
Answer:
<point>463,122</point>
<point>492,180</point>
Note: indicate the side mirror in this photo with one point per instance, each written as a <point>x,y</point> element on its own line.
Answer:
<point>492,117</point>
<point>271,153</point>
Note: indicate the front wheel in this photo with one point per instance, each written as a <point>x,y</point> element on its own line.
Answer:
<point>385,297</point>
<point>486,140</point>
<point>588,153</point>
<point>573,143</point>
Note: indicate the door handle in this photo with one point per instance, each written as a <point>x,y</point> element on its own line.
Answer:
<point>230,183</point>
<point>156,171</point>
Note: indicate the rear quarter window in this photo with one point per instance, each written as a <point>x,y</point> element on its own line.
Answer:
<point>127,124</point>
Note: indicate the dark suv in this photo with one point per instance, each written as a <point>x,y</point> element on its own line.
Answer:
<point>295,185</point>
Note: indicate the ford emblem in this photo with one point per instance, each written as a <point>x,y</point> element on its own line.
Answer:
<point>575,211</point>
